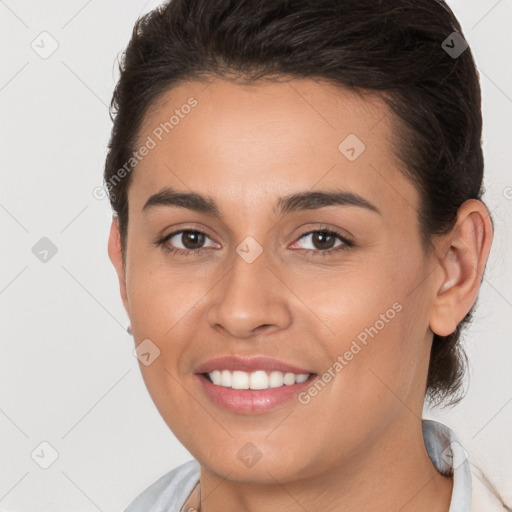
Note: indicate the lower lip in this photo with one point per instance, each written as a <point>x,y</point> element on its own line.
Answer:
<point>251,401</point>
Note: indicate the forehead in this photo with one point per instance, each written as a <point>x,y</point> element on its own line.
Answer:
<point>268,137</point>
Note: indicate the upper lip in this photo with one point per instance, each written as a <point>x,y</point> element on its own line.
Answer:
<point>248,364</point>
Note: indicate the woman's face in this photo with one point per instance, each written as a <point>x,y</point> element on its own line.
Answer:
<point>256,284</point>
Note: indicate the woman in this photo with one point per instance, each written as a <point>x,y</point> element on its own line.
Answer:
<point>300,237</point>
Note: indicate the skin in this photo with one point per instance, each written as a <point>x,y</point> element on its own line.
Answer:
<point>245,146</point>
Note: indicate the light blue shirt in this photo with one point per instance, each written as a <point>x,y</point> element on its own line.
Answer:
<point>170,492</point>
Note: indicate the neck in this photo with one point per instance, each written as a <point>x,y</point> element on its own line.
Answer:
<point>394,473</point>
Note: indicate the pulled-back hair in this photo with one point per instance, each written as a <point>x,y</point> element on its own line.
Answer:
<point>399,50</point>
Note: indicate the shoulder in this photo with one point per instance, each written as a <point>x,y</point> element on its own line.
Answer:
<point>169,492</point>
<point>472,491</point>
<point>484,497</point>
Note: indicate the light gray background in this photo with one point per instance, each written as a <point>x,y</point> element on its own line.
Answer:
<point>68,375</point>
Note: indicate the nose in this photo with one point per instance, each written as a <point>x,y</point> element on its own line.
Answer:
<point>250,299</point>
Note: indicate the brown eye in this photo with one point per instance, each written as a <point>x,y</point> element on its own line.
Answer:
<point>185,242</point>
<point>192,240</point>
<point>323,241</point>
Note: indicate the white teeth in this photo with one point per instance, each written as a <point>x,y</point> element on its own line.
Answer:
<point>239,380</point>
<point>255,380</point>
<point>216,377</point>
<point>275,379</point>
<point>289,379</point>
<point>258,380</point>
<point>301,377</point>
<point>225,378</point>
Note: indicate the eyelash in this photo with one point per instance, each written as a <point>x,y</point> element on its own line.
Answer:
<point>347,244</point>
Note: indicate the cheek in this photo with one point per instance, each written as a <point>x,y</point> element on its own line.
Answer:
<point>372,358</point>
<point>160,295</point>
<point>380,329</point>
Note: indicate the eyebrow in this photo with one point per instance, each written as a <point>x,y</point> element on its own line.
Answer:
<point>284,205</point>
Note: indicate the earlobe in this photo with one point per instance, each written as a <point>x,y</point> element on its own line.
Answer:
<point>462,266</point>
<point>116,257</point>
<point>443,321</point>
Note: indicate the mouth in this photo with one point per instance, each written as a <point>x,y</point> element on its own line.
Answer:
<point>251,385</point>
<point>250,393</point>
<point>256,380</point>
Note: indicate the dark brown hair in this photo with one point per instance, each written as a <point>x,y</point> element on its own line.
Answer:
<point>399,50</point>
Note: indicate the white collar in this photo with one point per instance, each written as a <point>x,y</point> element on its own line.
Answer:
<point>449,458</point>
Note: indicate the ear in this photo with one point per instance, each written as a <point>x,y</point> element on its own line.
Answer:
<point>116,257</point>
<point>463,262</point>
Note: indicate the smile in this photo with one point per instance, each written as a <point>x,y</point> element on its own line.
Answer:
<point>259,379</point>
